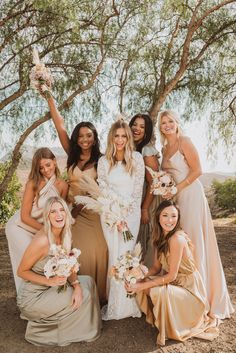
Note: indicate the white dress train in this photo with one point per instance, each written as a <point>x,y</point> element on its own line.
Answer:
<point>130,187</point>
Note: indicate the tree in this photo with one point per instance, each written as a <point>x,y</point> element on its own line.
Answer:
<point>75,39</point>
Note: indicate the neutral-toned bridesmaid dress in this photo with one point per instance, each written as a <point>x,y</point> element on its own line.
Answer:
<point>51,318</point>
<point>179,309</point>
<point>87,235</point>
<point>196,221</point>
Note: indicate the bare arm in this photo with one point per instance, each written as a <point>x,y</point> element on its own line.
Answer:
<point>152,162</point>
<point>177,245</point>
<point>37,249</point>
<point>64,187</point>
<point>193,161</point>
<point>59,124</point>
<point>26,207</point>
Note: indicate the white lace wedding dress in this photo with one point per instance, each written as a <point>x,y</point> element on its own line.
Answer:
<point>130,187</point>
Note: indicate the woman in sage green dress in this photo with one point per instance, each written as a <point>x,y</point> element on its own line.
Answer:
<point>56,318</point>
<point>142,129</point>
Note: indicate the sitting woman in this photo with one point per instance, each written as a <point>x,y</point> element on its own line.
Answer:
<point>73,315</point>
<point>178,305</point>
<point>43,182</point>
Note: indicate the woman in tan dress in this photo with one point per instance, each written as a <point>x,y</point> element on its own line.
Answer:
<point>43,182</point>
<point>178,305</point>
<point>83,154</point>
<point>73,315</point>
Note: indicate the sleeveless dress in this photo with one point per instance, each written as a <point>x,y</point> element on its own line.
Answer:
<point>179,309</point>
<point>19,235</point>
<point>145,230</point>
<point>87,235</point>
<point>130,187</point>
<point>51,318</point>
<point>196,221</point>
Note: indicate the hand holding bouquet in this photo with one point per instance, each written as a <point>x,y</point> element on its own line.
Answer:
<point>61,263</point>
<point>113,208</point>
<point>128,268</point>
<point>40,77</point>
<point>162,183</point>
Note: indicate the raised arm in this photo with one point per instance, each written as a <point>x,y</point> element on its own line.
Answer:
<point>59,124</point>
<point>26,207</point>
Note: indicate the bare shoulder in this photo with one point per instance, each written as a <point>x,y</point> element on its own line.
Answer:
<point>61,183</point>
<point>185,141</point>
<point>178,239</point>
<point>40,239</point>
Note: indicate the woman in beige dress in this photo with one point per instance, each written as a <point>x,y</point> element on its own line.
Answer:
<point>181,160</point>
<point>83,154</point>
<point>175,302</point>
<point>142,129</point>
<point>43,182</point>
<point>73,315</point>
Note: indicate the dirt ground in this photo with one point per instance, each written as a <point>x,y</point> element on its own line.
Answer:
<point>123,336</point>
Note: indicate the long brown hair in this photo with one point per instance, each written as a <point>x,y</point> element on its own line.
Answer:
<point>35,176</point>
<point>161,240</point>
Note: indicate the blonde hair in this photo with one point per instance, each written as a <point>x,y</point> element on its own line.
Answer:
<point>111,148</point>
<point>169,114</point>
<point>66,237</point>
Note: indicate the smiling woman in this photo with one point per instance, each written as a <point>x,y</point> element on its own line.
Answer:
<point>54,318</point>
<point>83,150</point>
<point>43,182</point>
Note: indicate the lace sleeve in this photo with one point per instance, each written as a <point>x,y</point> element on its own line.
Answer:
<point>102,174</point>
<point>138,180</point>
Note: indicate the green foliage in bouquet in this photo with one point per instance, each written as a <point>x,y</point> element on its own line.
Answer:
<point>225,194</point>
<point>10,202</point>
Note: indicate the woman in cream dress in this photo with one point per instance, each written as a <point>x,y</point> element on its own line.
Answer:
<point>73,315</point>
<point>178,305</point>
<point>142,129</point>
<point>83,154</point>
<point>121,171</point>
<point>43,183</point>
<point>181,160</point>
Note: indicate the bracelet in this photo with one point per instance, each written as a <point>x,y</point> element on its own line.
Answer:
<point>75,282</point>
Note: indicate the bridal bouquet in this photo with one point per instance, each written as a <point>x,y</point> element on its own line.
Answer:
<point>40,77</point>
<point>162,183</point>
<point>128,267</point>
<point>61,263</point>
<point>111,206</point>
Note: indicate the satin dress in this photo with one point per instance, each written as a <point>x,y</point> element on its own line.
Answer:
<point>51,318</point>
<point>196,221</point>
<point>179,309</point>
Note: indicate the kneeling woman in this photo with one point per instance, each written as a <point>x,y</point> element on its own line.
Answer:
<point>56,318</point>
<point>178,305</point>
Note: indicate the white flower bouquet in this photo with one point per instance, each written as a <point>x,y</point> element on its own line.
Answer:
<point>128,267</point>
<point>111,206</point>
<point>40,76</point>
<point>61,263</point>
<point>162,183</point>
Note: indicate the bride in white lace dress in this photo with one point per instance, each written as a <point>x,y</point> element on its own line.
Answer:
<point>122,171</point>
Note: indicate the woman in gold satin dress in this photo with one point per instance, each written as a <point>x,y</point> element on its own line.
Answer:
<point>73,315</point>
<point>178,305</point>
<point>83,154</point>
